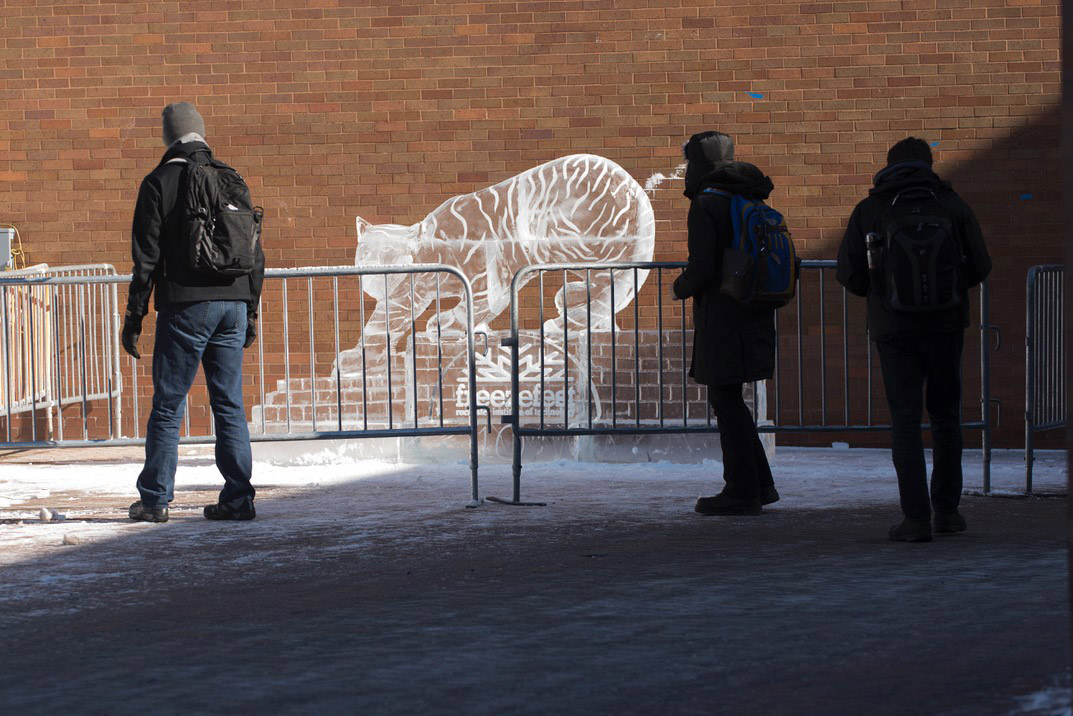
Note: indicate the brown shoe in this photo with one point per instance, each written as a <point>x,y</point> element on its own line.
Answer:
<point>141,513</point>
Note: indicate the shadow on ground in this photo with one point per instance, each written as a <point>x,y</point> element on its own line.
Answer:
<point>351,600</point>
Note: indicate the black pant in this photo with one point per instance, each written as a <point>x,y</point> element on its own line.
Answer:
<point>915,367</point>
<point>745,467</point>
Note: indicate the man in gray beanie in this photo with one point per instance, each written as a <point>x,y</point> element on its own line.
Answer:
<point>201,319</point>
<point>182,123</point>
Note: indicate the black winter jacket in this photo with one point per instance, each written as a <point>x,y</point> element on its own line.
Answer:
<point>157,246</point>
<point>853,271</point>
<point>731,343</point>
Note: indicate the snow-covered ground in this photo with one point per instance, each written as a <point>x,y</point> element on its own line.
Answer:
<point>86,497</point>
<point>325,506</point>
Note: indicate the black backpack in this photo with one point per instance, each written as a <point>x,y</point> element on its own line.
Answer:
<point>223,226</point>
<point>923,263</point>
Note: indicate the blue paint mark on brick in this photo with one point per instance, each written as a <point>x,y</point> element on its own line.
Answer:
<point>1025,196</point>
<point>756,95</point>
<point>934,144</point>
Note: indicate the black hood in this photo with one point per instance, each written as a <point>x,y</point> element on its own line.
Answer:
<point>184,151</point>
<point>732,177</point>
<point>904,175</point>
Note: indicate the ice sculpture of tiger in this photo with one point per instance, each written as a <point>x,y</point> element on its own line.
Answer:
<point>578,208</point>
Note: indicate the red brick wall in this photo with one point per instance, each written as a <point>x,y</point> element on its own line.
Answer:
<point>383,109</point>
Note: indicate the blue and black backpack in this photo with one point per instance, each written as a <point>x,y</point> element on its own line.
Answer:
<point>761,267</point>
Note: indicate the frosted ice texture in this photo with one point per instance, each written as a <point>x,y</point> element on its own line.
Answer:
<point>580,208</point>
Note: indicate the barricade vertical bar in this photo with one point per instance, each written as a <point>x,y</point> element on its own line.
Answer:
<point>566,354</point>
<point>1030,366</point>
<point>778,369</point>
<point>515,384</point>
<point>588,344</point>
<point>413,347</point>
<point>823,352</point>
<point>800,363</point>
<point>364,381</point>
<point>1048,348</point>
<point>33,360</point>
<point>756,417</point>
<point>1059,327</point>
<point>114,364</point>
<point>134,397</point>
<point>106,326</point>
<point>636,355</point>
<point>287,352</point>
<point>9,381</point>
<point>439,349</point>
<point>56,344</point>
<point>614,357</point>
<point>659,339</point>
<point>845,358</point>
<point>338,367</point>
<point>1052,347</point>
<point>472,360</point>
<point>387,339</point>
<point>708,405</point>
<point>540,276</point>
<point>312,355</point>
<point>868,363</point>
<point>65,357</point>
<point>985,391</point>
<point>261,366</point>
<point>685,388</point>
<point>82,357</point>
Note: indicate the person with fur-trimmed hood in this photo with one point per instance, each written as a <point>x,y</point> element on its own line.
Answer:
<point>732,344</point>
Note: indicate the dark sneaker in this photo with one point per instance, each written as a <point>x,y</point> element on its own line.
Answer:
<point>141,513</point>
<point>723,504</point>
<point>220,511</point>
<point>911,532</point>
<point>947,523</point>
<point>769,495</point>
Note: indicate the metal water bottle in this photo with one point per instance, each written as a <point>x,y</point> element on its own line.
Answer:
<point>873,244</point>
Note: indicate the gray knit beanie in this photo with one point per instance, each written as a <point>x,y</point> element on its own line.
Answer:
<point>179,119</point>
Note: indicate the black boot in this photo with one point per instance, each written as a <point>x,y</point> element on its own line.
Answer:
<point>141,513</point>
<point>724,504</point>
<point>947,523</point>
<point>909,531</point>
<point>769,495</point>
<point>221,511</point>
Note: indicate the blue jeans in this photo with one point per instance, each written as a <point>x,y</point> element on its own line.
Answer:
<point>210,333</point>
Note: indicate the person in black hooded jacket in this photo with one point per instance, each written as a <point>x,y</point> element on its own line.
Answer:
<point>732,345</point>
<point>919,352</point>
<point>200,320</point>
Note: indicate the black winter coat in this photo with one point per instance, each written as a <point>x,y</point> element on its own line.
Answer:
<point>853,271</point>
<point>157,246</point>
<point>731,344</point>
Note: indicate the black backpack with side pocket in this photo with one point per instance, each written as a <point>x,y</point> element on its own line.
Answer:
<point>922,266</point>
<point>223,227</point>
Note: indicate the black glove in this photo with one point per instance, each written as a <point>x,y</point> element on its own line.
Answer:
<point>251,329</point>
<point>132,331</point>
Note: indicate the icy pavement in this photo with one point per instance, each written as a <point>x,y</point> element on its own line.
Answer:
<point>85,495</point>
<point>368,587</point>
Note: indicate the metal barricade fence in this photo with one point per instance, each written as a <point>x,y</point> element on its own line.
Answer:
<point>1045,373</point>
<point>342,352</point>
<point>824,378</point>
<point>83,340</point>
